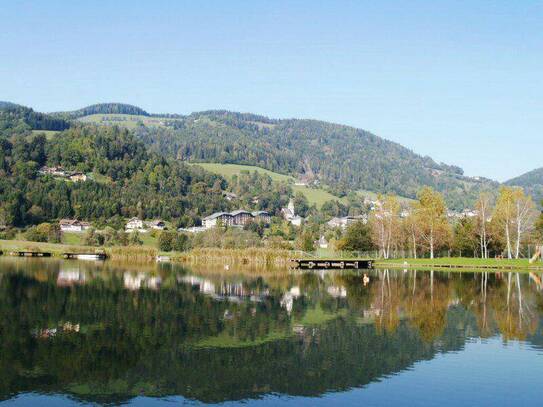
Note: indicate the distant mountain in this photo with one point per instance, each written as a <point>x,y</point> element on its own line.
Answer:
<point>341,157</point>
<point>103,108</point>
<point>532,182</point>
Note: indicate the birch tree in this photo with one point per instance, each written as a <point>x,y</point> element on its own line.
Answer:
<point>384,221</point>
<point>515,213</point>
<point>431,217</point>
<point>483,209</point>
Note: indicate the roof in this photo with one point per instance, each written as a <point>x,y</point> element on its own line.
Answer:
<point>260,213</point>
<point>217,215</point>
<point>73,222</point>
<point>239,212</point>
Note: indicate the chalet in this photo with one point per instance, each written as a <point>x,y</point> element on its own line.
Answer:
<point>73,225</point>
<point>156,224</point>
<point>135,224</point>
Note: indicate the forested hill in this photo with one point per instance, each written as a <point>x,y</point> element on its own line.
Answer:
<point>341,157</point>
<point>532,182</point>
<point>103,108</point>
<point>534,177</point>
<point>20,119</point>
<point>124,180</point>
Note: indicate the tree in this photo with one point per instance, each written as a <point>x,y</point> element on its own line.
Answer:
<point>357,237</point>
<point>465,239</point>
<point>539,227</point>
<point>301,204</point>
<point>515,213</point>
<point>135,238</point>
<point>431,216</point>
<point>384,221</point>
<point>483,208</point>
<point>165,241</point>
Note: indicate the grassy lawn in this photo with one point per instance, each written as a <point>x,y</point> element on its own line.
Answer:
<point>55,248</point>
<point>462,262</point>
<point>315,196</point>
<point>72,238</point>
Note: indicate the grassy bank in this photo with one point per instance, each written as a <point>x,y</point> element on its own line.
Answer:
<point>461,262</point>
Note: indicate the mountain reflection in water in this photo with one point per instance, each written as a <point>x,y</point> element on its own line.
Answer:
<point>106,333</point>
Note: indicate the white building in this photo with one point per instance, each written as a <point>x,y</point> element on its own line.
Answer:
<point>237,218</point>
<point>290,215</point>
<point>345,221</point>
<point>73,225</point>
<point>135,224</point>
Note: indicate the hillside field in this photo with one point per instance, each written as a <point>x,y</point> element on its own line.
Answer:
<point>124,120</point>
<point>317,196</point>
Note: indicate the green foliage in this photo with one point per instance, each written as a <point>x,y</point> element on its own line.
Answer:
<point>142,184</point>
<point>15,119</point>
<point>165,240</point>
<point>465,240</point>
<point>339,156</point>
<point>305,241</point>
<point>532,182</point>
<point>103,108</point>
<point>135,239</point>
<point>539,226</point>
<point>357,238</point>
<point>44,232</point>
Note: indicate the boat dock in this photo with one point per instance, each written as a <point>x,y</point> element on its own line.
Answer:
<point>85,256</point>
<point>30,254</point>
<point>325,264</point>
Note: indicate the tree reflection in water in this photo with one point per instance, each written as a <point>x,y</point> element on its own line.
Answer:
<point>107,333</point>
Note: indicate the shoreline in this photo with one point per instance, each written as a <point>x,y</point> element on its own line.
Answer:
<point>261,257</point>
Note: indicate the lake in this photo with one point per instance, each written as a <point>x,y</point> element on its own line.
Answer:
<point>105,333</point>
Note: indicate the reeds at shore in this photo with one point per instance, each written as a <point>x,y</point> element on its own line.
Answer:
<point>132,253</point>
<point>256,256</point>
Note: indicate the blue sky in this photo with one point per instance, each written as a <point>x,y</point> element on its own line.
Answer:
<point>460,81</point>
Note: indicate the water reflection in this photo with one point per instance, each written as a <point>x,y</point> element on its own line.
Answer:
<point>107,333</point>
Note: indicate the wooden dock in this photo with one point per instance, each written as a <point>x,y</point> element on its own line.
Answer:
<point>326,264</point>
<point>30,254</point>
<point>85,256</point>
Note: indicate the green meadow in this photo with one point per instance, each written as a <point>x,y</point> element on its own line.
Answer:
<point>317,196</point>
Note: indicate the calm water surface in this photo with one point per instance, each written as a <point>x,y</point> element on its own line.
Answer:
<point>103,333</point>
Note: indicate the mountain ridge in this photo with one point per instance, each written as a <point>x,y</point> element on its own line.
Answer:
<point>342,158</point>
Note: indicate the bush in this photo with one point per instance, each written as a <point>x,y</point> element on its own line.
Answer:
<point>165,240</point>
<point>44,232</point>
